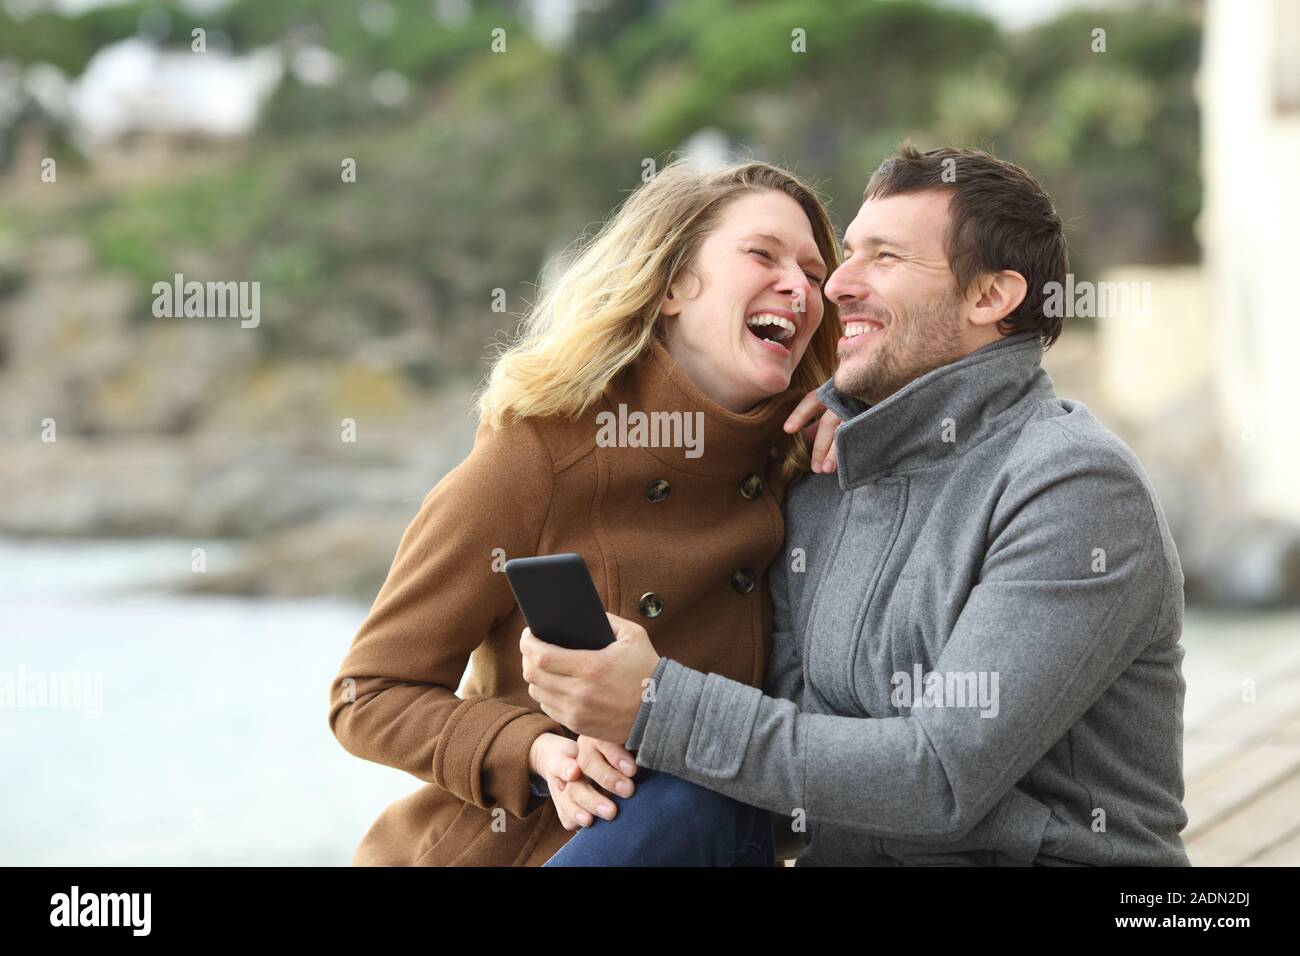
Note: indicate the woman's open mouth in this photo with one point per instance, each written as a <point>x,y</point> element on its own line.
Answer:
<point>772,331</point>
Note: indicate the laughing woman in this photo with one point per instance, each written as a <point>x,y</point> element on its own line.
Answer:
<point>701,297</point>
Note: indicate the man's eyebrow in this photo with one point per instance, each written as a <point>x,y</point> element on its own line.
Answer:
<point>872,241</point>
<point>814,259</point>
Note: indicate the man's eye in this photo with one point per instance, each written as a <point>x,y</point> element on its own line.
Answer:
<point>885,255</point>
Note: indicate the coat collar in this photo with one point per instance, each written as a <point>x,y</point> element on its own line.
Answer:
<point>939,415</point>
<point>733,444</point>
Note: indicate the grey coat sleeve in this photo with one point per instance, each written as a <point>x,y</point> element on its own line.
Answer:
<point>1054,630</point>
<point>643,712</point>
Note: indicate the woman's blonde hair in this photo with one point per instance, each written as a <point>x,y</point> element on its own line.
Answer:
<point>602,313</point>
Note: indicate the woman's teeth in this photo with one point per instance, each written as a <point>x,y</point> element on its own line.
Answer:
<point>783,330</point>
<point>852,329</point>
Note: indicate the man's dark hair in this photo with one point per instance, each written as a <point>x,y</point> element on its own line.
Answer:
<point>1000,218</point>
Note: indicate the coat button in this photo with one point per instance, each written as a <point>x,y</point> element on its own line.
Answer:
<point>751,487</point>
<point>651,605</point>
<point>743,581</point>
<point>657,490</point>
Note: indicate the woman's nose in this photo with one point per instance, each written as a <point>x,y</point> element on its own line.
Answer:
<point>795,284</point>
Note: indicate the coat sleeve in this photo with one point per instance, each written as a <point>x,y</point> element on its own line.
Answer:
<point>1055,629</point>
<point>394,699</point>
<point>784,677</point>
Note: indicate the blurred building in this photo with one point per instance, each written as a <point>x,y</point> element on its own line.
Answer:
<point>1204,381</point>
<point>1250,95</point>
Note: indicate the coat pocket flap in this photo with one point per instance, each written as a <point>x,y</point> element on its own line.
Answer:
<point>723,723</point>
<point>1021,825</point>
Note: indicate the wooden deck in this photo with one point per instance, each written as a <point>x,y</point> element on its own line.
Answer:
<point>1241,757</point>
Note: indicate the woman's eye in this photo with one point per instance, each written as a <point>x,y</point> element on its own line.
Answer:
<point>764,253</point>
<point>815,280</point>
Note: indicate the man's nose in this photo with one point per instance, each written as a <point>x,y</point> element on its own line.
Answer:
<point>841,286</point>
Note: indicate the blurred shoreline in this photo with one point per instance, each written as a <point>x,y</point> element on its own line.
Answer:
<point>266,461</point>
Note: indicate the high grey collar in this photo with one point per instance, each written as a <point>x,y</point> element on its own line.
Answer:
<point>939,415</point>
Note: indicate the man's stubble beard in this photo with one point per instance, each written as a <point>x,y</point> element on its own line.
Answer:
<point>913,344</point>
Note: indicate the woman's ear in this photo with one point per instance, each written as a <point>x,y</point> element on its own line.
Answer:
<point>686,285</point>
<point>671,303</point>
<point>996,295</point>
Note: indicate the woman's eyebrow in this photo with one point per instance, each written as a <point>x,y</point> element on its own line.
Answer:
<point>814,258</point>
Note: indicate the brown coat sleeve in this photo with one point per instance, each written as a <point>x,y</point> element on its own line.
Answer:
<point>394,699</point>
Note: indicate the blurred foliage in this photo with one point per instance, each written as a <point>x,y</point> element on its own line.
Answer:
<point>494,162</point>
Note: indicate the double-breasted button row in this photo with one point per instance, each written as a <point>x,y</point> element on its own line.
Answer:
<point>751,487</point>
<point>742,582</point>
<point>651,605</point>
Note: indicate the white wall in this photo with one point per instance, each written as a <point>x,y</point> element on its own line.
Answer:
<point>1251,233</point>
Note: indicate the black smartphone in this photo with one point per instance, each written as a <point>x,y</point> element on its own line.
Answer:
<point>559,601</point>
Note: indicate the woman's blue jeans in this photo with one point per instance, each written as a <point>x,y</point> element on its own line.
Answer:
<point>669,821</point>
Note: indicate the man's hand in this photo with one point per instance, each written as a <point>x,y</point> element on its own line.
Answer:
<point>596,693</point>
<point>823,448</point>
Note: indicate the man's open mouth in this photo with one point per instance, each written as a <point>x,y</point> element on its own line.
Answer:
<point>775,331</point>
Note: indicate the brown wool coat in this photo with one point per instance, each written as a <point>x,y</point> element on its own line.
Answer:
<point>543,487</point>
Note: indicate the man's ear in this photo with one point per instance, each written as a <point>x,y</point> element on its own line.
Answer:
<point>995,295</point>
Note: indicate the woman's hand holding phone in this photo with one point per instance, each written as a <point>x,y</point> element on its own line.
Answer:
<point>562,762</point>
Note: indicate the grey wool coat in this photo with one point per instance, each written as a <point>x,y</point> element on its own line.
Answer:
<point>976,656</point>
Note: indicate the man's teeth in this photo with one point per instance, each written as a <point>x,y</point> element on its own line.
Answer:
<point>852,329</point>
<point>785,328</point>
